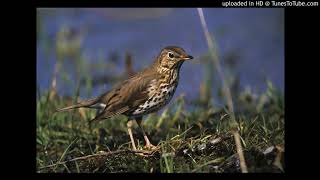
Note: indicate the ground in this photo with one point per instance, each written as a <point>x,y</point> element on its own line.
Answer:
<point>197,140</point>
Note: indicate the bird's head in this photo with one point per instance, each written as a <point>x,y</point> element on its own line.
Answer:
<point>172,57</point>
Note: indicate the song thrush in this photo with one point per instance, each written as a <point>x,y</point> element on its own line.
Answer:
<point>145,92</point>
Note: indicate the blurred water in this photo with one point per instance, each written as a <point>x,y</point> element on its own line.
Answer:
<point>255,35</point>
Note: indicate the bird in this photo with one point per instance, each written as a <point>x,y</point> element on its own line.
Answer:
<point>143,93</point>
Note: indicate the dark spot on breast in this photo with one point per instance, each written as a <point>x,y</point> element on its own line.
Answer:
<point>155,99</point>
<point>164,92</point>
<point>147,106</point>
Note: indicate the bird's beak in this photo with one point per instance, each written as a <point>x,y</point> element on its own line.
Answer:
<point>187,57</point>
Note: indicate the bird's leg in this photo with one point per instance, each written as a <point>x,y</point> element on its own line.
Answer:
<point>129,125</point>
<point>148,144</point>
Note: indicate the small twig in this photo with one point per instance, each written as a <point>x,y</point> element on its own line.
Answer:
<point>129,66</point>
<point>226,89</point>
<point>243,165</point>
<point>214,54</point>
<point>96,155</point>
<point>65,151</point>
<point>179,135</point>
<point>208,163</point>
<point>53,87</point>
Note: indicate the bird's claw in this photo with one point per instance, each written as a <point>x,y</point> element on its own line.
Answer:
<point>149,150</point>
<point>151,147</point>
<point>145,154</point>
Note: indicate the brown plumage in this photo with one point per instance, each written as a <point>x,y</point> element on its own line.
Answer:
<point>145,92</point>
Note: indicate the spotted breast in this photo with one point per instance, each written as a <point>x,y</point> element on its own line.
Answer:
<point>159,96</point>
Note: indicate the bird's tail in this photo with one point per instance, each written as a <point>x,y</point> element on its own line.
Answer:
<point>84,103</point>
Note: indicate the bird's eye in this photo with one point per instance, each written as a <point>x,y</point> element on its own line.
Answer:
<point>170,54</point>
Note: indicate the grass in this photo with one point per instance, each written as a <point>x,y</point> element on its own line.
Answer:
<point>197,140</point>
<point>190,141</point>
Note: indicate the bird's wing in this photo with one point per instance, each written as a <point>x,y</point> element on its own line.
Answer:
<point>126,96</point>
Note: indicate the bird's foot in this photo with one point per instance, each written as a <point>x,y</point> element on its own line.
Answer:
<point>151,147</point>
<point>144,153</point>
<point>147,151</point>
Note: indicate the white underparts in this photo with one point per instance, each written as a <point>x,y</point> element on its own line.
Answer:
<point>98,106</point>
